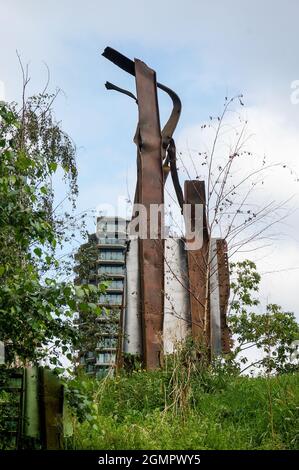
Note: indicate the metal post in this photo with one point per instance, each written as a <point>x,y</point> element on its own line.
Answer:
<point>198,261</point>
<point>150,191</point>
<point>215,317</point>
<point>223,277</point>
<point>51,410</point>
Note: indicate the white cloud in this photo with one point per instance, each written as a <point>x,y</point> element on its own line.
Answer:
<point>2,91</point>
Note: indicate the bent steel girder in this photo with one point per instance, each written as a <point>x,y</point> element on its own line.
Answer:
<point>110,86</point>
<point>174,173</point>
<point>149,191</point>
<point>128,66</point>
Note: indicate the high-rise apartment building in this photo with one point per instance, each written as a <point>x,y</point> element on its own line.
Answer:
<point>107,248</point>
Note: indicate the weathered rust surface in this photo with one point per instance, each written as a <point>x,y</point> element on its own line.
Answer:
<point>198,262</point>
<point>223,270</point>
<point>153,166</point>
<point>128,66</point>
<point>150,191</point>
<point>51,408</point>
<point>156,158</point>
<point>214,298</point>
<point>167,132</point>
<point>170,126</point>
<point>174,173</point>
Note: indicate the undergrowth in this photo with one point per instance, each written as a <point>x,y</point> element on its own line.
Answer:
<point>203,410</point>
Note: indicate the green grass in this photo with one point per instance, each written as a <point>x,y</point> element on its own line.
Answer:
<point>222,412</point>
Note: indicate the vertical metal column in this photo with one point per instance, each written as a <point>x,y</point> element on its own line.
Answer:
<point>224,289</point>
<point>215,317</point>
<point>150,191</point>
<point>51,410</point>
<point>198,261</point>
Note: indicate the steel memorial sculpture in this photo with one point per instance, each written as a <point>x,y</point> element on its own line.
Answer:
<point>207,284</point>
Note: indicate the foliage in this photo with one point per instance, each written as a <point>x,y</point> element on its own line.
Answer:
<point>271,332</point>
<point>193,403</point>
<point>188,404</point>
<point>86,270</point>
<point>36,306</point>
<point>8,411</point>
<point>130,413</point>
<point>10,407</point>
<point>79,393</point>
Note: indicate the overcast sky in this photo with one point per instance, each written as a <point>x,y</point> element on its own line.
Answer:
<point>204,50</point>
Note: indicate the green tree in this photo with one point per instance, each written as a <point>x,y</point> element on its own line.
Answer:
<point>36,307</point>
<point>271,332</point>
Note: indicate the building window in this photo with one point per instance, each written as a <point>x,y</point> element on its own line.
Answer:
<point>106,358</point>
<point>107,342</point>
<point>108,227</point>
<point>115,255</point>
<point>102,372</point>
<point>90,355</point>
<point>116,284</point>
<point>110,299</point>
<point>111,270</point>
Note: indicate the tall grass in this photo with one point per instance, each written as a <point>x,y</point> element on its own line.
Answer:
<point>153,410</point>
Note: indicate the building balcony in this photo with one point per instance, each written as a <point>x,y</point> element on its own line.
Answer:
<point>110,335</point>
<point>109,307</point>
<point>116,244</point>
<point>115,290</point>
<point>89,359</point>
<point>105,364</point>
<point>111,261</point>
<point>110,275</point>
<point>102,319</point>
<point>107,334</point>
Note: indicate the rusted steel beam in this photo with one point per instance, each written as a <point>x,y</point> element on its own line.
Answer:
<point>110,86</point>
<point>150,191</point>
<point>170,126</point>
<point>167,132</point>
<point>224,289</point>
<point>198,262</point>
<point>174,173</point>
<point>214,298</point>
<point>128,66</point>
<point>51,399</point>
<point>220,335</point>
<point>155,158</point>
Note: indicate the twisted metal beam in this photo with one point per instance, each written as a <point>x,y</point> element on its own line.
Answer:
<point>168,151</point>
<point>128,66</point>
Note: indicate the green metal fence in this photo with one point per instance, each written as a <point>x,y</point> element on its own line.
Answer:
<point>33,410</point>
